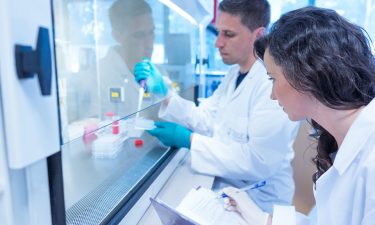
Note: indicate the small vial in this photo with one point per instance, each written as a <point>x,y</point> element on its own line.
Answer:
<point>89,132</point>
<point>138,143</point>
<point>115,127</point>
<point>108,116</point>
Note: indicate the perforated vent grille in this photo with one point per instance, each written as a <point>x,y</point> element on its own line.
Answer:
<point>98,204</point>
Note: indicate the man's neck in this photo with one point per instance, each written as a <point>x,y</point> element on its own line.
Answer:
<point>122,52</point>
<point>246,66</point>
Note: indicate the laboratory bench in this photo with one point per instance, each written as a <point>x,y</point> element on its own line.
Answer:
<point>178,185</point>
<point>117,189</point>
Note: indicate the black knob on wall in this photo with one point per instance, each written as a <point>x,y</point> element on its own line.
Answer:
<point>38,61</point>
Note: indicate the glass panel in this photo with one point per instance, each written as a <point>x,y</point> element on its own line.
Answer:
<point>106,154</point>
<point>360,12</point>
<point>96,57</point>
<point>101,170</point>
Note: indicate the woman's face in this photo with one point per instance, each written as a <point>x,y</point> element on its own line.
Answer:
<point>297,105</point>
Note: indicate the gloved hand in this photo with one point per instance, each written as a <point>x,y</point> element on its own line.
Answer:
<point>145,70</point>
<point>171,134</point>
<point>240,201</point>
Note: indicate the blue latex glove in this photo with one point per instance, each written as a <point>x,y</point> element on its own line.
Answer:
<point>145,70</point>
<point>171,134</point>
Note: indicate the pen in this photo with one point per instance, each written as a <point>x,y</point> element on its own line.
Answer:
<point>250,187</point>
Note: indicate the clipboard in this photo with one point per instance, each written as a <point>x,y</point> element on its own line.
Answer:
<point>170,216</point>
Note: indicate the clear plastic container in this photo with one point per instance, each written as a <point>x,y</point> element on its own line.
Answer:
<point>107,146</point>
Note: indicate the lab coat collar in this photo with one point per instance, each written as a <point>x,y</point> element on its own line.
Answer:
<point>255,69</point>
<point>359,132</point>
<point>117,60</point>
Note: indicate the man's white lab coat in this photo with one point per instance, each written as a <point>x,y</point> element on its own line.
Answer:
<point>114,73</point>
<point>242,135</point>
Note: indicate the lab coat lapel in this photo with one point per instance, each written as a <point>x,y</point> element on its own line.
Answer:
<point>117,61</point>
<point>120,65</point>
<point>246,81</point>
<point>240,87</point>
<point>356,137</point>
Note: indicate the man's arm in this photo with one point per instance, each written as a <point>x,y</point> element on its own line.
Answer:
<point>271,136</point>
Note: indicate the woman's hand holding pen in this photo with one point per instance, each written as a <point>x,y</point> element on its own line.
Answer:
<point>240,201</point>
<point>247,188</point>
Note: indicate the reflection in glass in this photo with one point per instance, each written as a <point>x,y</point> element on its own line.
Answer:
<point>132,28</point>
<point>97,45</point>
<point>105,154</point>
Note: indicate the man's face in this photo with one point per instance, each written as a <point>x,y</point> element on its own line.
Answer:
<point>235,41</point>
<point>138,39</point>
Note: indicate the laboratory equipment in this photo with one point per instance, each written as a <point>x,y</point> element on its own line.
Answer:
<point>107,146</point>
<point>90,173</point>
<point>143,124</point>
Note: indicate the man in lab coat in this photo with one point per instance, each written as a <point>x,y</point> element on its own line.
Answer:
<point>133,30</point>
<point>238,134</point>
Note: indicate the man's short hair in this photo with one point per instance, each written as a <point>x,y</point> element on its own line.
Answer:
<point>253,13</point>
<point>123,11</point>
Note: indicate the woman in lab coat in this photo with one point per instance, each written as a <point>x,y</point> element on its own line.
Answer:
<point>322,68</point>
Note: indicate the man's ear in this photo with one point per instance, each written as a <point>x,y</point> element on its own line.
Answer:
<point>260,31</point>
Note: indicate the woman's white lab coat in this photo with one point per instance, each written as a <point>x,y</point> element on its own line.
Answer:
<point>242,135</point>
<point>345,194</point>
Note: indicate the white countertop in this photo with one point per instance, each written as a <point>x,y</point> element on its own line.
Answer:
<point>182,180</point>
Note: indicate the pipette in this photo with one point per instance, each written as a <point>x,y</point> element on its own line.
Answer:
<point>141,92</point>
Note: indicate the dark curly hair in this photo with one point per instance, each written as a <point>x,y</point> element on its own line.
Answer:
<point>323,54</point>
